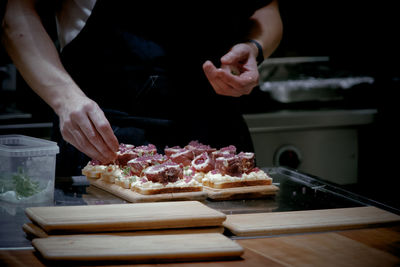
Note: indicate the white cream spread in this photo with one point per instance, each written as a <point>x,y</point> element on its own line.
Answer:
<point>179,183</point>
<point>126,181</point>
<point>93,169</point>
<point>128,149</point>
<point>187,171</point>
<point>111,173</point>
<point>219,178</point>
<point>198,176</point>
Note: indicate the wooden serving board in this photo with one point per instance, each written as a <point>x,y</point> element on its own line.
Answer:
<point>35,231</point>
<point>135,197</point>
<point>244,192</point>
<point>362,247</point>
<point>275,223</point>
<point>125,217</point>
<point>138,248</point>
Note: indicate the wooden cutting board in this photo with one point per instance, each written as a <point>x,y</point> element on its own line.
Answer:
<point>138,248</point>
<point>125,217</point>
<point>35,231</point>
<point>135,197</point>
<point>245,192</point>
<point>275,223</point>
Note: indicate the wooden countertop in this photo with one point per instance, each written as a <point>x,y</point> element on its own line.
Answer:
<point>361,247</point>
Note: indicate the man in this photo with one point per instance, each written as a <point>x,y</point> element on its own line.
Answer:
<point>149,72</point>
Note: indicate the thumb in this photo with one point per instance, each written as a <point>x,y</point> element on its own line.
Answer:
<point>237,53</point>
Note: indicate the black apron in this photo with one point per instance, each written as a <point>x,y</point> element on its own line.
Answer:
<point>142,63</point>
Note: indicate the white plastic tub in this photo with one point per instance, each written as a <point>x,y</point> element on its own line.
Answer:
<point>27,169</point>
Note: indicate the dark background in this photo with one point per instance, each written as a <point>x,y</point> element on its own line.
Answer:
<point>359,36</point>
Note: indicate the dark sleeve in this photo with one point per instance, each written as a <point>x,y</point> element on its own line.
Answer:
<point>259,4</point>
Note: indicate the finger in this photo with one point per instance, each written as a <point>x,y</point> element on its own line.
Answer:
<point>243,83</point>
<point>103,127</point>
<point>251,64</point>
<point>78,140</point>
<point>211,73</point>
<point>91,136</point>
<point>209,70</point>
<point>232,69</point>
<point>220,87</point>
<point>225,89</point>
<point>236,54</point>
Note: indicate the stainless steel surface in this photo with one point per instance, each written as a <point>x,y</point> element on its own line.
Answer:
<point>320,142</point>
<point>300,79</point>
<point>308,119</point>
<point>297,192</point>
<point>46,125</point>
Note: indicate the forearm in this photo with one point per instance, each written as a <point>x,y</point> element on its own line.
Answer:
<point>35,55</point>
<point>267,28</point>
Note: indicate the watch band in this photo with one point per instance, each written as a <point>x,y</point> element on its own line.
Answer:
<point>260,56</point>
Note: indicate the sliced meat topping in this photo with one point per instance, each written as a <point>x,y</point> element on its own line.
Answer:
<point>137,165</point>
<point>149,149</point>
<point>183,157</point>
<point>229,165</point>
<point>247,161</point>
<point>203,163</point>
<point>198,148</point>
<point>168,151</point>
<point>167,172</point>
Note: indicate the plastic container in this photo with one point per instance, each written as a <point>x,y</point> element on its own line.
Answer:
<point>27,169</point>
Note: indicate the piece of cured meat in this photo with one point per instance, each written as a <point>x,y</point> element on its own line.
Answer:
<point>123,148</point>
<point>168,151</point>
<point>225,151</point>
<point>183,157</point>
<point>125,154</point>
<point>231,149</point>
<point>149,149</point>
<point>247,161</point>
<point>203,163</point>
<point>229,165</point>
<point>137,165</point>
<point>167,172</point>
<point>122,159</point>
<point>198,148</point>
<point>95,162</point>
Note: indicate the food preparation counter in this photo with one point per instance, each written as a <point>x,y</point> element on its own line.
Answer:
<point>297,192</point>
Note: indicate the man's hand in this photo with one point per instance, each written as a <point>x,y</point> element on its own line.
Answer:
<point>84,125</point>
<point>82,122</point>
<point>238,74</point>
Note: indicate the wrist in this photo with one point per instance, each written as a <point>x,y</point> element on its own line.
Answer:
<point>258,50</point>
<point>64,96</point>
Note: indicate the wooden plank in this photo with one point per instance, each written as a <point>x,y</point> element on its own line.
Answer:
<point>29,257</point>
<point>278,251</point>
<point>245,192</point>
<point>382,238</point>
<point>139,248</point>
<point>307,221</point>
<point>135,197</point>
<point>34,231</point>
<point>320,249</point>
<point>125,217</point>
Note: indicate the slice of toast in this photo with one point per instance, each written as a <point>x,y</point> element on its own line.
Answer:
<point>166,189</point>
<point>230,184</point>
<point>91,174</point>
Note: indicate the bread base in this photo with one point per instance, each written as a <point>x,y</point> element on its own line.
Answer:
<point>165,190</point>
<point>121,184</point>
<point>236,184</point>
<point>91,174</point>
<point>108,178</point>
